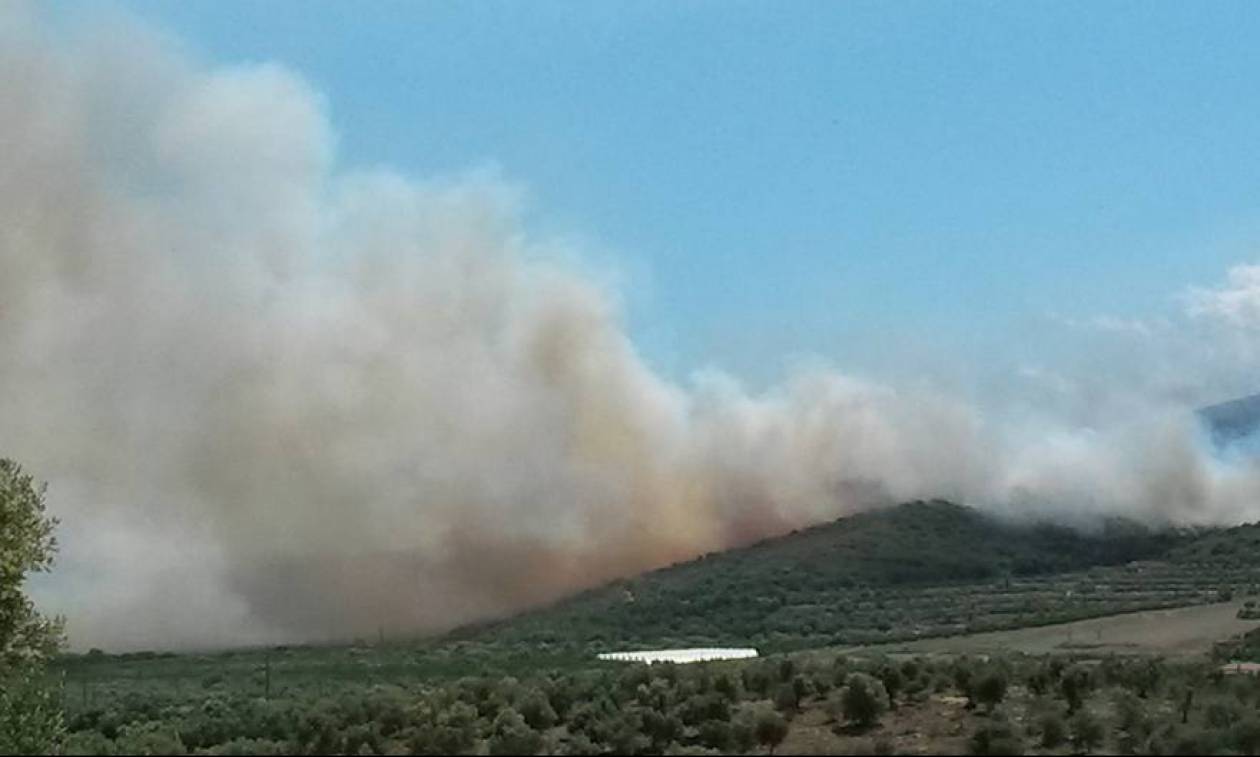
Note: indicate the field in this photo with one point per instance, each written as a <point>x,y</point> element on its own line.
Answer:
<point>1178,632</point>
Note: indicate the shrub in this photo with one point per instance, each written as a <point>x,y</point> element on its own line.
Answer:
<point>30,715</point>
<point>743,732</point>
<point>863,700</point>
<point>996,737</point>
<point>148,738</point>
<point>716,734</point>
<point>537,711</point>
<point>1244,736</point>
<point>511,735</point>
<point>1182,739</point>
<point>1221,714</point>
<point>1087,731</point>
<point>1075,685</point>
<point>770,729</point>
<point>893,681</point>
<point>786,699</point>
<point>1053,730</point>
<point>991,688</point>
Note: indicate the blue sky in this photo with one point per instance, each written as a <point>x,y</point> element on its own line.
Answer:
<point>886,185</point>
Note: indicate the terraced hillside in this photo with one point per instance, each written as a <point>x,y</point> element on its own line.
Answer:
<point>916,570</point>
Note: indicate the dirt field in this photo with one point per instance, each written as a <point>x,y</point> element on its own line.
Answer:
<point>938,726</point>
<point>1178,632</point>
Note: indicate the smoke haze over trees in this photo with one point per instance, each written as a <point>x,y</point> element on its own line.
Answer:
<point>295,399</point>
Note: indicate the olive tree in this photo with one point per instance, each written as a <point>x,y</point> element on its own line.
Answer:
<point>30,718</point>
<point>863,699</point>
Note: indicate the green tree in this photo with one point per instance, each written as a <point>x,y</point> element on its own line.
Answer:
<point>715,734</point>
<point>30,720</point>
<point>786,699</point>
<point>537,711</point>
<point>1087,731</point>
<point>1075,685</point>
<point>30,715</point>
<point>863,699</point>
<point>1147,676</point>
<point>964,680</point>
<point>990,690</point>
<point>1053,730</point>
<point>455,729</point>
<point>27,545</point>
<point>511,735</point>
<point>996,737</point>
<point>770,729</point>
<point>150,737</point>
<point>893,682</point>
<point>744,731</point>
<point>1244,736</point>
<point>1132,720</point>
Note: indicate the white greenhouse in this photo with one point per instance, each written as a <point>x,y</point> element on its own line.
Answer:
<point>680,656</point>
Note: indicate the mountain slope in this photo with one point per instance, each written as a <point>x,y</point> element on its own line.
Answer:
<point>1234,422</point>
<point>916,569</point>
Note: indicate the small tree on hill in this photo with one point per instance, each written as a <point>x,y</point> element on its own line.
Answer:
<point>1053,730</point>
<point>964,680</point>
<point>743,731</point>
<point>511,735</point>
<point>990,690</point>
<point>770,729</point>
<point>893,681</point>
<point>863,700</point>
<point>1087,731</point>
<point>997,736</point>
<point>1244,735</point>
<point>537,711</point>
<point>786,699</point>
<point>1075,685</point>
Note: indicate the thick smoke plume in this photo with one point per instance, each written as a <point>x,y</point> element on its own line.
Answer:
<point>277,399</point>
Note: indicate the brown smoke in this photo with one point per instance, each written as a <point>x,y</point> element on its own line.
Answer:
<point>276,399</point>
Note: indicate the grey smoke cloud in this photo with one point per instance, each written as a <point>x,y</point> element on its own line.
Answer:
<point>279,399</point>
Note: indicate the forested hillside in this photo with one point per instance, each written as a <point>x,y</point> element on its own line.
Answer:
<point>921,568</point>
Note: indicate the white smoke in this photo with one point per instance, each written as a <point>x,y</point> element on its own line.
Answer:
<point>277,398</point>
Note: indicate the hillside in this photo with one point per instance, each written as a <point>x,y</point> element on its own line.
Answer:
<point>1233,423</point>
<point>921,568</point>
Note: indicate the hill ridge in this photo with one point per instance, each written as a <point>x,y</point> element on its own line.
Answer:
<point>820,584</point>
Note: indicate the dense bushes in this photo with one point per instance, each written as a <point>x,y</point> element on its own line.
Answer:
<point>1021,704</point>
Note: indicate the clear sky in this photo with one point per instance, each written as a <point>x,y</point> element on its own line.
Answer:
<point>860,181</point>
